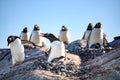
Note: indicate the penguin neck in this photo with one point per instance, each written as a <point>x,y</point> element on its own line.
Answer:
<point>52,39</point>
<point>89,28</point>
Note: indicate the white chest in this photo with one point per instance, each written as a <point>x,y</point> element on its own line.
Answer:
<point>16,47</point>
<point>65,36</point>
<point>96,37</point>
<point>57,50</point>
<point>24,36</point>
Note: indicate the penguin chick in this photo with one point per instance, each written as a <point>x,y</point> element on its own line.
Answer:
<point>25,35</point>
<point>36,38</point>
<point>64,35</point>
<point>57,48</point>
<point>17,49</point>
<point>96,36</point>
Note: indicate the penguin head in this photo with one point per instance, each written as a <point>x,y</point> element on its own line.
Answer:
<point>64,28</point>
<point>36,27</point>
<point>11,39</point>
<point>50,36</point>
<point>25,30</point>
<point>90,26</point>
<point>98,25</point>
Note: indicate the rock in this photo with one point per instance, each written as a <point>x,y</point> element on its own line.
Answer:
<point>35,62</point>
<point>80,64</point>
<point>4,53</point>
<point>105,67</point>
<point>73,58</point>
<point>78,44</point>
<point>115,43</point>
<point>117,38</point>
<point>96,46</point>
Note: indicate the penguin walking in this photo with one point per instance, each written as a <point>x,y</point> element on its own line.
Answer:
<point>57,48</point>
<point>64,35</point>
<point>36,38</point>
<point>17,49</point>
<point>96,36</point>
<point>25,35</point>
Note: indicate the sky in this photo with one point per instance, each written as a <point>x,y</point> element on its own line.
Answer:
<point>51,15</point>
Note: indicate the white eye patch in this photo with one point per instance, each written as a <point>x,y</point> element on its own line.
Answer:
<point>10,39</point>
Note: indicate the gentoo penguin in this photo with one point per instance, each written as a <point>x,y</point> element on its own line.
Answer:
<point>88,32</point>
<point>25,34</point>
<point>36,38</point>
<point>96,36</point>
<point>57,48</point>
<point>17,49</point>
<point>105,40</point>
<point>64,35</point>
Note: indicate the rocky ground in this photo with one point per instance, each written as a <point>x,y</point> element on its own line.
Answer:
<point>81,64</point>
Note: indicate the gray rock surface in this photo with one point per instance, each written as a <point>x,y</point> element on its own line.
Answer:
<point>95,64</point>
<point>36,67</point>
<point>116,42</point>
<point>105,67</point>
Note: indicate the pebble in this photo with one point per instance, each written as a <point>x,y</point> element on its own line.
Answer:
<point>68,69</point>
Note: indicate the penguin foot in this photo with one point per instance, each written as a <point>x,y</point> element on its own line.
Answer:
<point>14,65</point>
<point>20,62</point>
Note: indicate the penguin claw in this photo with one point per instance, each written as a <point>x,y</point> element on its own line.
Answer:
<point>14,65</point>
<point>20,62</point>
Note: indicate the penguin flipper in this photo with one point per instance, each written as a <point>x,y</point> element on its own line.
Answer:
<point>30,37</point>
<point>83,36</point>
<point>28,42</point>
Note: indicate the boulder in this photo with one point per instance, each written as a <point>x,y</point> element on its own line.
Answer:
<point>115,43</point>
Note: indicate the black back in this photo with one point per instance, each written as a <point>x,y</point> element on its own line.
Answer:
<point>11,39</point>
<point>36,27</point>
<point>90,26</point>
<point>51,37</point>
<point>98,25</point>
<point>25,30</point>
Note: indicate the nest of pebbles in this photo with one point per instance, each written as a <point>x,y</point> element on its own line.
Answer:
<point>79,47</point>
<point>68,70</point>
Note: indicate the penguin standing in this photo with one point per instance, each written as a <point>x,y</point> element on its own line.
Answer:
<point>64,35</point>
<point>105,40</point>
<point>36,38</point>
<point>17,49</point>
<point>25,34</point>
<point>57,48</point>
<point>87,33</point>
<point>96,36</point>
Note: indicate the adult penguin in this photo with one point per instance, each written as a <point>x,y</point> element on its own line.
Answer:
<point>36,38</point>
<point>64,35</point>
<point>17,49</point>
<point>105,40</point>
<point>57,48</point>
<point>87,33</point>
<point>25,35</point>
<point>96,36</point>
